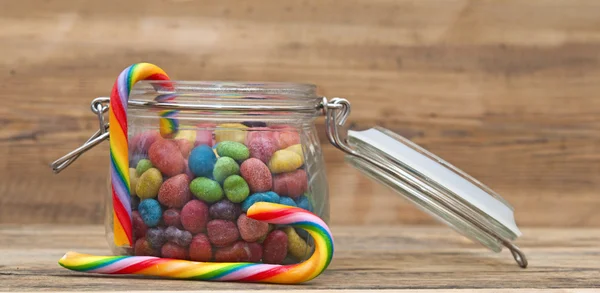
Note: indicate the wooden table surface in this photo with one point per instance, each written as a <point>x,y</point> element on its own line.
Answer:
<point>366,257</point>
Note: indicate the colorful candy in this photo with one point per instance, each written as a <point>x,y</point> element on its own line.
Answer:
<point>172,217</point>
<point>202,161</point>
<point>166,157</point>
<point>224,168</point>
<point>200,248</point>
<point>172,250</point>
<point>268,196</point>
<point>194,216</point>
<point>297,247</point>
<point>224,210</point>
<point>275,247</point>
<point>156,237</point>
<point>175,191</point>
<point>221,232</point>
<point>150,211</point>
<point>148,185</point>
<point>284,161</point>
<point>292,184</point>
<point>206,189</point>
<point>257,175</point>
<point>236,189</point>
<point>179,237</point>
<point>142,166</point>
<point>233,149</point>
<point>251,230</point>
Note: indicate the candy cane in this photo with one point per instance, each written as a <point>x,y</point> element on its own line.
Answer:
<point>119,149</point>
<point>240,271</point>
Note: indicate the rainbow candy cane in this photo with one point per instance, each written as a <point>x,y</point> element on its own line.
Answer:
<point>119,148</point>
<point>240,271</point>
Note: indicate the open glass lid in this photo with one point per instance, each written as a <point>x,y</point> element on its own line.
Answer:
<point>432,184</point>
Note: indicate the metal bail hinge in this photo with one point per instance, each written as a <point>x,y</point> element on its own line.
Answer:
<point>99,106</point>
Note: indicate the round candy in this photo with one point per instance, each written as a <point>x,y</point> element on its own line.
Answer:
<point>150,211</point>
<point>231,132</point>
<point>236,189</point>
<point>275,247</point>
<point>172,217</point>
<point>206,189</point>
<point>222,233</point>
<point>175,191</point>
<point>142,166</point>
<point>202,161</point>
<point>224,168</point>
<point>233,149</point>
<point>224,210</point>
<point>287,201</point>
<point>166,157</point>
<point>284,161</point>
<point>194,216</point>
<point>143,248</point>
<point>172,250</point>
<point>251,230</point>
<point>200,248</point>
<point>292,184</point>
<point>257,175</point>
<point>156,237</point>
<point>148,184</point>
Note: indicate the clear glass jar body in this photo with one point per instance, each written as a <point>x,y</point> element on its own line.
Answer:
<point>190,188</point>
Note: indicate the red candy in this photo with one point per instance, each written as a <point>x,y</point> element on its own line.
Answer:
<point>287,136</point>
<point>172,250</point>
<point>175,191</point>
<point>138,225</point>
<point>200,248</point>
<point>185,147</point>
<point>222,233</point>
<point>275,247</point>
<point>194,216</point>
<point>233,253</point>
<point>256,252</point>
<point>251,230</point>
<point>172,217</point>
<point>262,143</point>
<point>166,157</point>
<point>257,175</point>
<point>143,248</point>
<point>142,142</point>
<point>292,184</point>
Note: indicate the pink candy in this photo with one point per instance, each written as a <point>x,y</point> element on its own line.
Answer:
<point>166,157</point>
<point>185,147</point>
<point>251,230</point>
<point>175,191</point>
<point>257,175</point>
<point>292,184</point>
<point>262,143</point>
<point>194,216</point>
<point>222,233</point>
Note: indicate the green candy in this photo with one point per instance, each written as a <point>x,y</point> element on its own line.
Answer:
<point>236,188</point>
<point>224,168</point>
<point>233,149</point>
<point>143,166</point>
<point>207,190</point>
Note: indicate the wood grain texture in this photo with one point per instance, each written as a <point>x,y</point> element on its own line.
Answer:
<point>506,90</point>
<point>366,257</point>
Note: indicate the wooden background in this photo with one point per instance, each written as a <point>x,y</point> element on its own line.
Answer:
<point>509,91</point>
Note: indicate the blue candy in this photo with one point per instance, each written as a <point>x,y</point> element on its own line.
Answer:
<point>268,196</point>
<point>287,201</point>
<point>202,161</point>
<point>304,203</point>
<point>150,211</point>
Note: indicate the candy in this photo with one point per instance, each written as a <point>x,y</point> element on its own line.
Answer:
<point>150,211</point>
<point>202,161</point>
<point>187,135</point>
<point>256,252</point>
<point>204,135</point>
<point>207,190</point>
<point>262,145</point>
<point>200,248</point>
<point>142,166</point>
<point>292,184</point>
<point>148,184</point>
<point>139,227</point>
<point>119,152</point>
<point>172,217</point>
<point>236,189</point>
<point>287,201</point>
<point>179,237</point>
<point>251,230</point>
<point>284,161</point>
<point>168,125</point>
<point>141,143</point>
<point>233,149</point>
<point>224,210</point>
<point>222,233</point>
<point>297,148</point>
<point>142,247</point>
<point>172,250</point>
<point>266,273</point>
<point>233,253</point>
<point>175,191</point>
<point>156,237</point>
<point>135,158</point>
<point>166,157</point>
<point>224,168</point>
<point>231,132</point>
<point>260,197</point>
<point>194,216</point>
<point>257,175</point>
<point>188,171</point>
<point>185,147</point>
<point>287,135</point>
<point>297,247</point>
<point>304,203</point>
<point>133,178</point>
<point>275,247</point>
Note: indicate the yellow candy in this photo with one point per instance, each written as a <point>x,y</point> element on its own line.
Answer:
<point>237,132</point>
<point>189,135</point>
<point>297,148</point>
<point>148,184</point>
<point>132,181</point>
<point>297,247</point>
<point>284,161</point>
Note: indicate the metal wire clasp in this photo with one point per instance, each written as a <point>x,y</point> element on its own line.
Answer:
<point>99,106</point>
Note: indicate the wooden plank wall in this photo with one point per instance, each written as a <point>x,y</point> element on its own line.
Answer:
<point>509,91</point>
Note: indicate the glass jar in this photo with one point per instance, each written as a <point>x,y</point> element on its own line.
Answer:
<point>199,154</point>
